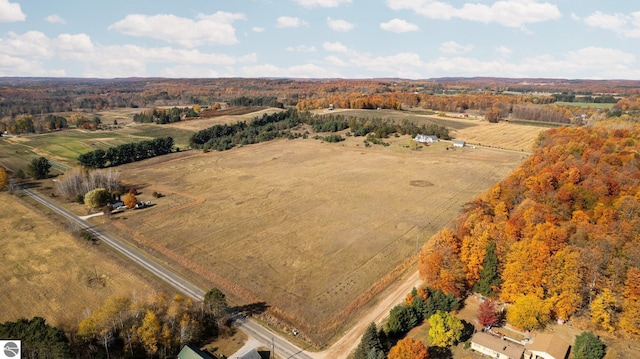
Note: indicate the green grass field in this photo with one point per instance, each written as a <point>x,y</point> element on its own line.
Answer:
<point>585,104</point>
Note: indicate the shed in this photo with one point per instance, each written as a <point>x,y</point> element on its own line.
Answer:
<point>547,346</point>
<point>459,143</point>
<point>496,347</point>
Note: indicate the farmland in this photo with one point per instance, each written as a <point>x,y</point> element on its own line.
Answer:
<point>42,263</point>
<point>312,229</point>
<point>305,226</point>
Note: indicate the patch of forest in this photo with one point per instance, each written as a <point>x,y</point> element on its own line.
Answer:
<point>558,238</point>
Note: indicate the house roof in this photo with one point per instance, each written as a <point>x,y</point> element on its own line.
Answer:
<point>505,347</point>
<point>550,344</point>
<point>191,352</point>
<point>251,354</point>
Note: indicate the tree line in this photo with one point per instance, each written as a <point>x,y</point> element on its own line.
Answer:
<point>164,116</point>
<point>126,153</point>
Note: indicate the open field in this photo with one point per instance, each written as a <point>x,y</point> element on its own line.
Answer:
<point>305,226</point>
<point>47,272</point>
<point>584,104</point>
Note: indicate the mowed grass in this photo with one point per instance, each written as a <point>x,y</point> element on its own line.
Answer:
<point>585,104</point>
<point>47,272</point>
<point>65,146</point>
<point>302,225</point>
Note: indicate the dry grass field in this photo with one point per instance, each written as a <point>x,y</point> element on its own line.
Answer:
<point>305,226</point>
<point>47,272</point>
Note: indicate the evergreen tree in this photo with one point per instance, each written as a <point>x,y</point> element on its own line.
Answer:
<point>39,168</point>
<point>39,339</point>
<point>369,342</point>
<point>489,276</point>
<point>588,346</point>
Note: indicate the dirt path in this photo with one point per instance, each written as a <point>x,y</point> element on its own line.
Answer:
<point>390,298</point>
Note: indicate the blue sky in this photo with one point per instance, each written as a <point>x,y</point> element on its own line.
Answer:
<point>412,39</point>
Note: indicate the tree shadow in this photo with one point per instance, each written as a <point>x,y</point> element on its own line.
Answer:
<point>251,309</point>
<point>439,353</point>
<point>467,331</point>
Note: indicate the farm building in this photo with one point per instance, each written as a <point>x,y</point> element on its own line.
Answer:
<point>547,346</point>
<point>459,143</point>
<point>251,354</point>
<point>496,347</point>
<point>425,139</point>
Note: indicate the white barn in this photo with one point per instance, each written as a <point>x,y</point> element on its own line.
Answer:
<point>459,143</point>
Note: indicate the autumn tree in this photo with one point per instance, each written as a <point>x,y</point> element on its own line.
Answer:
<point>39,168</point>
<point>562,282</point>
<point>603,310</point>
<point>149,332</point>
<point>630,317</point>
<point>97,198</point>
<point>588,346</point>
<point>4,178</point>
<point>130,200</point>
<point>489,276</point>
<point>439,265</point>
<point>529,312</point>
<point>409,348</point>
<point>445,329</point>
<point>524,270</point>
<point>487,314</point>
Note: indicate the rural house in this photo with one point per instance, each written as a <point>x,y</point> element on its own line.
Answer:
<point>459,143</point>
<point>496,347</point>
<point>547,346</point>
<point>251,354</point>
<point>426,139</point>
<point>191,352</point>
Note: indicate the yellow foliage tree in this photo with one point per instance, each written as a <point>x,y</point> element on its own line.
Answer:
<point>524,270</point>
<point>130,200</point>
<point>603,310</point>
<point>149,332</point>
<point>562,283</point>
<point>630,318</point>
<point>529,312</point>
<point>409,348</point>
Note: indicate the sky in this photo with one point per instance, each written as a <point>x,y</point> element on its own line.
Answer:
<point>409,39</point>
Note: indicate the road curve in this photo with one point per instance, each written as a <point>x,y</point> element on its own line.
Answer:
<point>283,348</point>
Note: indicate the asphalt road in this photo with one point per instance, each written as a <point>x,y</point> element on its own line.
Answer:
<point>283,348</point>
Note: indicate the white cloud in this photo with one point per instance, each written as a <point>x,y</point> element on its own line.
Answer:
<point>334,47</point>
<point>504,51</point>
<point>622,24</point>
<point>257,29</point>
<point>55,19</point>
<point>300,71</point>
<point>302,48</point>
<point>452,47</point>
<point>79,43</point>
<point>11,12</point>
<point>510,13</point>
<point>206,29</point>
<point>404,65</point>
<point>322,3</point>
<point>398,26</point>
<point>335,61</point>
<point>339,25</point>
<point>287,21</point>
<point>32,44</point>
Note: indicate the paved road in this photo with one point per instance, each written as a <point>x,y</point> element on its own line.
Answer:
<point>283,348</point>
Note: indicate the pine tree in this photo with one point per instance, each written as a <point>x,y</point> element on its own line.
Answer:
<point>368,343</point>
<point>588,346</point>
<point>489,276</point>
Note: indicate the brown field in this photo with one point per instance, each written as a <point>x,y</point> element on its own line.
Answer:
<point>47,272</point>
<point>305,226</point>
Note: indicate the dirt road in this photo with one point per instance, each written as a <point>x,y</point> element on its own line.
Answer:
<point>389,299</point>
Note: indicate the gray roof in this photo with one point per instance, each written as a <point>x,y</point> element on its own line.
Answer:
<point>251,354</point>
<point>191,352</point>
<point>505,347</point>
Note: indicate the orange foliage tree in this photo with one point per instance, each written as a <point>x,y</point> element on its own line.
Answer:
<point>630,318</point>
<point>408,348</point>
<point>130,200</point>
